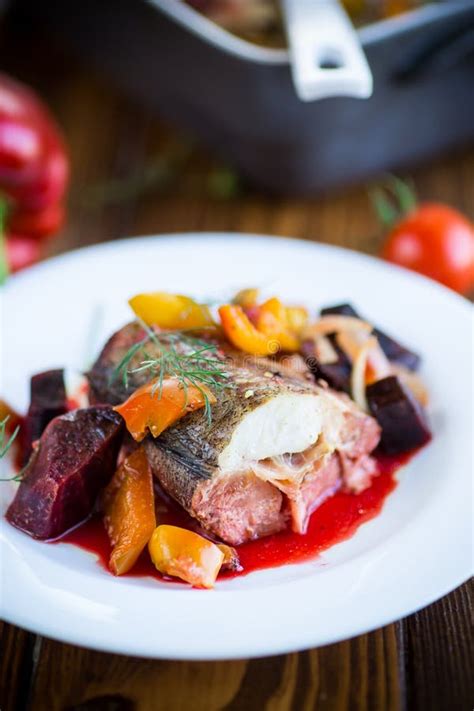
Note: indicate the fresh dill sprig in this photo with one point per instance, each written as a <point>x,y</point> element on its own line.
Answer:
<point>198,366</point>
<point>5,445</point>
<point>122,367</point>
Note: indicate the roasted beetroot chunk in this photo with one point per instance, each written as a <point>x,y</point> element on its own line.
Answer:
<point>395,352</point>
<point>75,459</point>
<point>399,414</point>
<point>47,401</point>
<point>337,375</point>
<point>339,310</point>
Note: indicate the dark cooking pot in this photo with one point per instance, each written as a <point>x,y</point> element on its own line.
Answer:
<point>239,98</point>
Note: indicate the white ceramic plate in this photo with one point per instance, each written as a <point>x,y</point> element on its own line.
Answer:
<point>416,550</point>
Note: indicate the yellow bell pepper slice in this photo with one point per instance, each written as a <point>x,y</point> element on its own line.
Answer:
<point>297,318</point>
<point>171,311</point>
<point>246,298</point>
<point>129,511</point>
<point>187,555</point>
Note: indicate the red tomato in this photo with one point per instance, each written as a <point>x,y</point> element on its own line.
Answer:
<point>21,251</point>
<point>436,241</point>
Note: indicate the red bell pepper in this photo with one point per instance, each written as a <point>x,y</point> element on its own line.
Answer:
<point>34,172</point>
<point>21,252</point>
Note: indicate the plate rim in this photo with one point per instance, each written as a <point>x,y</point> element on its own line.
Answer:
<point>217,235</point>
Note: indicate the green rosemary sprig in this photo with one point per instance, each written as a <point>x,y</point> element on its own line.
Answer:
<point>198,365</point>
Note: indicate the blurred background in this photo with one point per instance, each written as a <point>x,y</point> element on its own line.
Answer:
<point>183,117</point>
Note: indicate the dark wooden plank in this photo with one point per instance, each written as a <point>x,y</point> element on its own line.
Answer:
<point>16,667</point>
<point>346,219</point>
<point>427,666</point>
<point>360,674</point>
<point>439,654</point>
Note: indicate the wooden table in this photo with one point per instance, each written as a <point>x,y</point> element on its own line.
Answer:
<point>422,662</point>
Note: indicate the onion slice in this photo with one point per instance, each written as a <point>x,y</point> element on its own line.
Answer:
<point>335,324</point>
<point>358,373</point>
<point>351,343</point>
<point>354,337</point>
<point>324,350</point>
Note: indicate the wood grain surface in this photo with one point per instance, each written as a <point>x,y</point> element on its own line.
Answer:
<point>422,662</point>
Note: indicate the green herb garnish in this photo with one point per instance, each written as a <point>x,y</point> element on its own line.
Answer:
<point>6,443</point>
<point>5,446</point>
<point>198,365</point>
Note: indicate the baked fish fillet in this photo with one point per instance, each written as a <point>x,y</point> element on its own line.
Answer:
<point>275,447</point>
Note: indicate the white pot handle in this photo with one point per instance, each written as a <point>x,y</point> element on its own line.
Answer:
<point>326,56</point>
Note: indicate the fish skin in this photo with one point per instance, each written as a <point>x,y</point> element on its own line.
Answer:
<point>105,385</point>
<point>177,471</point>
<point>195,442</point>
<point>185,457</point>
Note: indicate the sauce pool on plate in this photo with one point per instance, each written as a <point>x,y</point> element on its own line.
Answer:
<point>336,520</point>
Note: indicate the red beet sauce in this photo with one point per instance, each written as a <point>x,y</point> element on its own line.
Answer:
<point>334,521</point>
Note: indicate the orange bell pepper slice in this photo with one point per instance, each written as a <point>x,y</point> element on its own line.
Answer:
<point>153,408</point>
<point>187,555</point>
<point>171,311</point>
<point>273,320</point>
<point>270,334</point>
<point>129,511</point>
<point>241,332</point>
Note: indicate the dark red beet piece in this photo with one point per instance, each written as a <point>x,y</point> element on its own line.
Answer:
<point>337,374</point>
<point>75,459</point>
<point>339,310</point>
<point>395,352</point>
<point>47,401</point>
<point>400,415</point>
